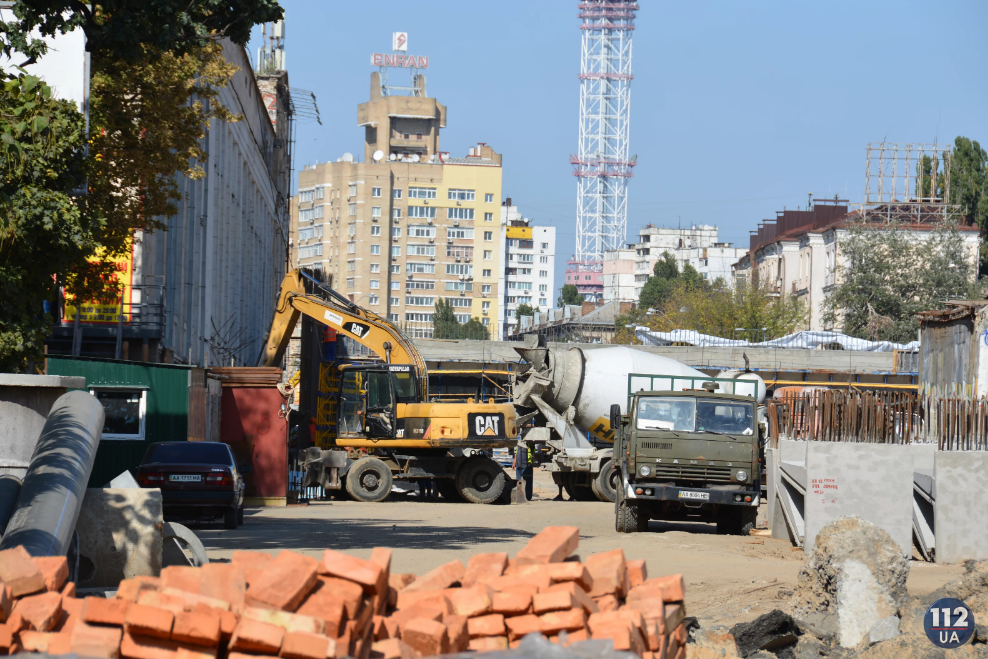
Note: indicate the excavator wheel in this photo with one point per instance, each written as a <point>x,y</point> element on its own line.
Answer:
<point>368,479</point>
<point>480,480</point>
<point>606,482</point>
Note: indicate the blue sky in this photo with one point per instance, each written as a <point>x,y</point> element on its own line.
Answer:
<point>738,108</point>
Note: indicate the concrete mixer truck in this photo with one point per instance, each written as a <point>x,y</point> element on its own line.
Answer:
<point>569,393</point>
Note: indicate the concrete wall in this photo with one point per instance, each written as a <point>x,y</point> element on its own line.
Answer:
<point>25,401</point>
<point>960,513</point>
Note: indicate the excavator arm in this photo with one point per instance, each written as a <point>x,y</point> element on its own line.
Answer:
<point>365,327</point>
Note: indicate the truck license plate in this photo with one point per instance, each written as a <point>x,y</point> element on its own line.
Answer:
<point>184,478</point>
<point>683,494</point>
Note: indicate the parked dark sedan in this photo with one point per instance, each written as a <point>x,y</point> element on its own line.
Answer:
<point>198,480</point>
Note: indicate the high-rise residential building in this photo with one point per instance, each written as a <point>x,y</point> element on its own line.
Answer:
<point>529,264</point>
<point>408,225</point>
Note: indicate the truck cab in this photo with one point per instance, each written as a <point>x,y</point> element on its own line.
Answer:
<point>688,455</point>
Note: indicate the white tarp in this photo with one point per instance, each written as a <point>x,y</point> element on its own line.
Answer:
<point>801,340</point>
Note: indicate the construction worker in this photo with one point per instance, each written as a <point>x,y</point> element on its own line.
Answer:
<point>524,469</point>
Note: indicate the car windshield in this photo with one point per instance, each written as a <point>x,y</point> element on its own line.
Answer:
<point>189,453</point>
<point>692,415</point>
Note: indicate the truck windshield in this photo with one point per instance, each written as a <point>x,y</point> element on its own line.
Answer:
<point>692,415</point>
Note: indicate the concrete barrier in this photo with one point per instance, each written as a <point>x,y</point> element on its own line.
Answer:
<point>961,517</point>
<point>120,536</point>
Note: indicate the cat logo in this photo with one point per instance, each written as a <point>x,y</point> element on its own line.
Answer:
<point>359,330</point>
<point>486,425</point>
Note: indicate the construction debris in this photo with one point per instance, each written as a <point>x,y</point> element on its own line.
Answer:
<point>300,607</point>
<point>772,631</point>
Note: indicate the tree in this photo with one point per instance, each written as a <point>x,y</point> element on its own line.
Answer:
<point>44,229</point>
<point>969,184</point>
<point>570,295</point>
<point>666,277</point>
<point>445,325</point>
<point>720,311</point>
<point>523,310</point>
<point>887,276</point>
<point>126,29</point>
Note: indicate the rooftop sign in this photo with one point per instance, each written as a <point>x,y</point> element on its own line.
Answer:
<point>400,61</point>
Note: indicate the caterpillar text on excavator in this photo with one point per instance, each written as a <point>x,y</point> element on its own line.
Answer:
<point>386,427</point>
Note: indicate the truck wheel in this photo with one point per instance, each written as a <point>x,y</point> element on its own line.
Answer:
<point>447,488</point>
<point>606,482</point>
<point>480,480</point>
<point>368,479</point>
<point>629,518</point>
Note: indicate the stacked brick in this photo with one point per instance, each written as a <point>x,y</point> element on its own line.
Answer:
<point>299,607</point>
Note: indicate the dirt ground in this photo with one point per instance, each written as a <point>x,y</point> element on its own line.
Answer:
<point>728,579</point>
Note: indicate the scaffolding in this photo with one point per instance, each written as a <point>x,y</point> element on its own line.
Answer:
<point>908,184</point>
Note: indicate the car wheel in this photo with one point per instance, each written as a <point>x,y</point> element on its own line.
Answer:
<point>480,480</point>
<point>230,518</point>
<point>369,479</point>
<point>240,516</point>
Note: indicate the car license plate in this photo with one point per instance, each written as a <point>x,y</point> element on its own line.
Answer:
<point>184,478</point>
<point>683,494</point>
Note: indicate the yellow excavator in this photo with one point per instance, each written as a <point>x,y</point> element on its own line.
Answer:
<point>387,428</point>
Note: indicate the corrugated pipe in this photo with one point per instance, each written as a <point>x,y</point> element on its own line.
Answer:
<point>48,505</point>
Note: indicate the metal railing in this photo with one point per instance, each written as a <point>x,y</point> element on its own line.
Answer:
<point>144,310</point>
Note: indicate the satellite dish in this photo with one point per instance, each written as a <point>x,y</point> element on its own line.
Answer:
<point>347,157</point>
<point>392,157</point>
<point>378,155</point>
<point>415,157</point>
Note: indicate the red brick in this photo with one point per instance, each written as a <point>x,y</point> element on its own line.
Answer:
<point>393,648</point>
<point>399,581</point>
<point>570,571</point>
<point>55,570</point>
<point>681,633</point>
<point>60,643</point>
<point>329,608</point>
<point>553,601</point>
<point>6,602</point>
<point>489,644</point>
<point>6,638</point>
<point>88,640</point>
<point>674,614</point>
<point>516,570</point>
<point>436,598</point>
<point>130,589</point>
<point>551,545</point>
<point>71,614</point>
<point>391,627</point>
<point>441,577</point>
<point>68,590</point>
<point>623,634</point>
<point>380,631</point>
<point>16,622</point>
<point>576,636</point>
<point>425,636</point>
<point>637,573</point>
<point>569,620</point>
<point>656,641</point>
<point>671,586</point>
<point>350,593</point>
<point>190,601</point>
<point>299,645</point>
<point>511,604</point>
<point>539,580</point>
<point>343,566</point>
<point>40,612</point>
<point>290,622</point>
<point>250,559</point>
<point>605,618</point>
<point>401,618</point>
<point>223,581</point>
<point>20,573</point>
<point>100,611</point>
<point>523,625</point>
<point>381,557</point>
<point>161,600</point>
<point>287,579</point>
<point>149,621</point>
<point>457,632</point>
<point>34,641</point>
<point>606,603</point>
<point>201,627</point>
<point>137,646</point>
<point>470,602</point>
<point>181,577</point>
<point>578,594</point>
<point>609,572</point>
<point>257,637</point>
<point>483,567</point>
<point>492,625</point>
<point>523,589</point>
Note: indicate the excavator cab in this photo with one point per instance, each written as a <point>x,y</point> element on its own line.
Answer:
<point>369,397</point>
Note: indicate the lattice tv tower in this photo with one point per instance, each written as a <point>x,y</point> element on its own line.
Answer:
<point>602,165</point>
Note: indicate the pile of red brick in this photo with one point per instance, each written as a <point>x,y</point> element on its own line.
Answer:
<point>300,607</point>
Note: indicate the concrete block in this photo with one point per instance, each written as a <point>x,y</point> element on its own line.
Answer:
<point>791,450</point>
<point>923,455</point>
<point>961,519</point>
<point>119,536</point>
<point>25,401</point>
<point>870,481</point>
<point>770,467</point>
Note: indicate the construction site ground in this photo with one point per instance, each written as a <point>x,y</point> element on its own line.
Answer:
<point>728,579</point>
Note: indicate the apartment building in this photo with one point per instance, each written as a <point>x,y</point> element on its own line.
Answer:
<point>529,262</point>
<point>409,224</point>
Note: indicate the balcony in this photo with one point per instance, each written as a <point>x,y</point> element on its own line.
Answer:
<point>410,142</point>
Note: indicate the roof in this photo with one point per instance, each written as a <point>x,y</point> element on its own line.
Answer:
<point>956,310</point>
<point>485,162</point>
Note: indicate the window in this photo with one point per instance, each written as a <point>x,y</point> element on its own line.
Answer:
<point>421,250</point>
<point>420,268</point>
<point>521,244</point>
<point>520,285</point>
<point>320,192</point>
<point>309,251</point>
<point>353,190</point>
<point>351,265</point>
<point>422,211</point>
<point>462,318</point>
<point>396,232</point>
<point>464,269</point>
<point>489,198</point>
<point>488,236</point>
<point>396,250</point>
<point>487,254</point>
<point>417,301</point>
<point>459,251</point>
<point>459,286</point>
<point>395,301</point>
<point>542,302</point>
<point>510,300</point>
<point>396,285</point>
<point>393,317</point>
<point>350,282</point>
<point>375,267</point>
<point>375,192</point>
<point>524,271</point>
<point>420,285</point>
<point>373,299</point>
<point>418,317</point>
<point>375,284</point>
<point>488,217</point>
<point>486,322</point>
<point>485,306</point>
<point>124,412</point>
<point>461,195</point>
<point>545,245</point>
<point>375,211</point>
<point>421,231</point>
<point>543,288</point>
<point>310,232</point>
<point>525,258</point>
<point>459,213</point>
<point>486,288</point>
<point>543,259</point>
<point>351,248</point>
<point>306,214</point>
<point>306,196</point>
<point>421,193</point>
<point>459,301</point>
<point>396,269</point>
<point>376,230</point>
<point>396,213</point>
<point>375,250</point>
<point>397,193</point>
<point>487,272</point>
<point>456,233</point>
<point>353,209</point>
<point>586,277</point>
<point>543,273</point>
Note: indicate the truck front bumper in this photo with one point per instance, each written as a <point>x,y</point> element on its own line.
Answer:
<point>691,496</point>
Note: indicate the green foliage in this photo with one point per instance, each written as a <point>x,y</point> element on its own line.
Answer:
<point>122,29</point>
<point>665,280</point>
<point>666,267</point>
<point>888,276</point>
<point>523,310</point>
<point>969,181</point>
<point>570,295</point>
<point>445,325</point>
<point>44,230</point>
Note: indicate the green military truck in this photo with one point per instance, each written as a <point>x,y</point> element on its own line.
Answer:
<point>689,452</point>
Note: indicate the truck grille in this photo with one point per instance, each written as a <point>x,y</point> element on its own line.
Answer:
<point>693,472</point>
<point>655,445</point>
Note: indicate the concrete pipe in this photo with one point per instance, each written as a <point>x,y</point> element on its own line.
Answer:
<point>48,506</point>
<point>10,488</point>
